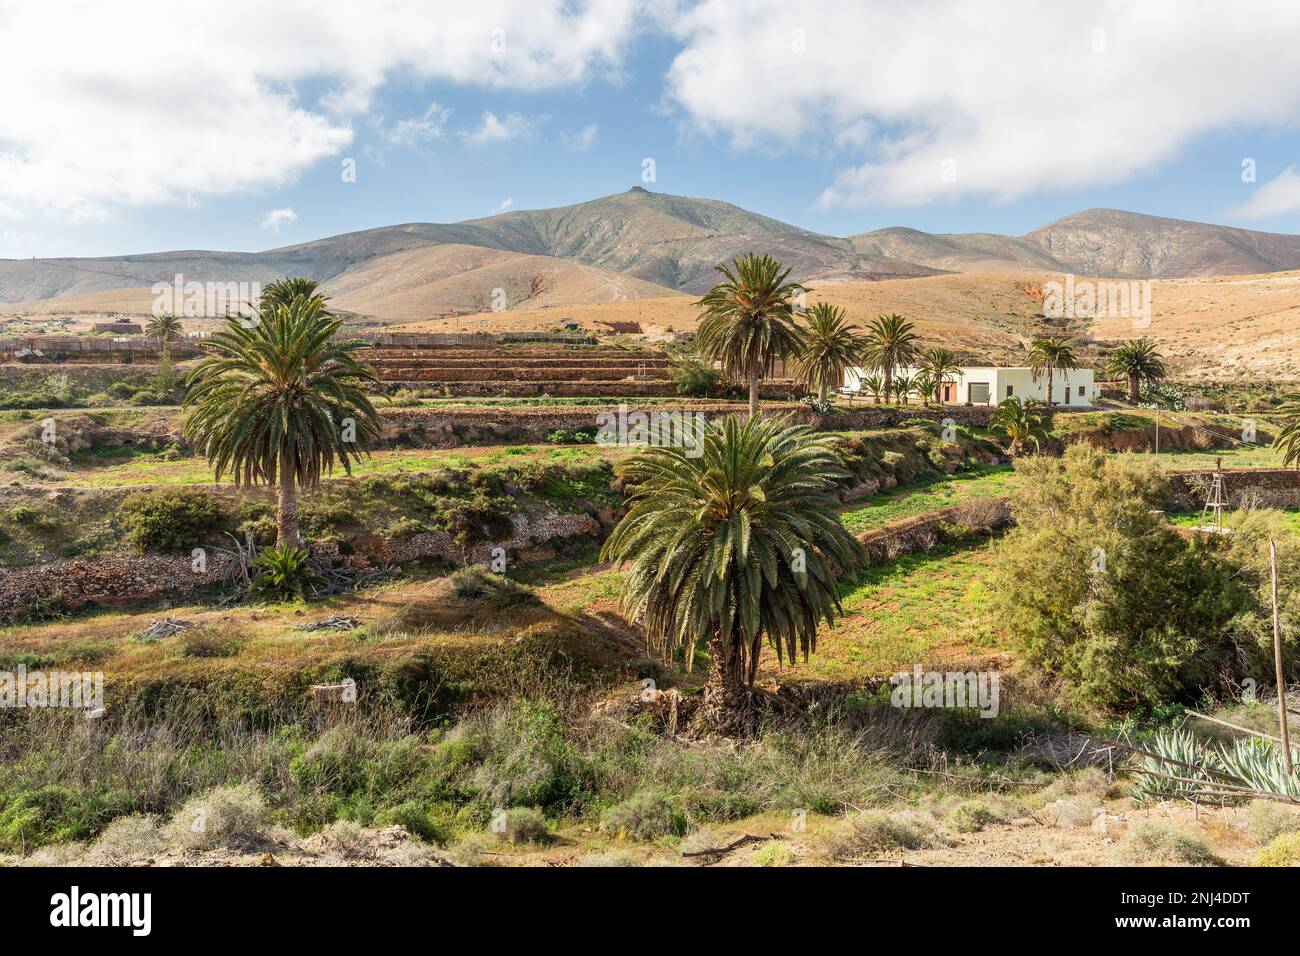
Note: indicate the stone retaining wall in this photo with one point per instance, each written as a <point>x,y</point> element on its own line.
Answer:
<point>116,581</point>
<point>1245,488</point>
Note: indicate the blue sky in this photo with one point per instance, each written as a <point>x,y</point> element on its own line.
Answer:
<point>791,110</point>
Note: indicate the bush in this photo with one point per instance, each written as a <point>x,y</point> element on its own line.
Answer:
<point>1073,582</point>
<point>971,816</point>
<point>170,520</point>
<point>1283,850</point>
<point>524,825</point>
<point>774,854</point>
<point>233,817</point>
<point>475,584</point>
<point>1267,820</point>
<point>644,816</point>
<point>869,833</point>
<point>694,378</point>
<point>127,839</point>
<point>1150,843</point>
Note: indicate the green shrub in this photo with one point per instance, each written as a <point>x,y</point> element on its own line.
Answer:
<point>284,573</point>
<point>171,520</point>
<point>524,825</point>
<point>435,823</point>
<point>1073,583</point>
<point>644,816</point>
<point>694,378</point>
<point>55,814</point>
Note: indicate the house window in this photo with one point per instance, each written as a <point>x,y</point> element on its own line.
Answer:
<point>979,393</point>
<point>1081,391</point>
<point>1010,390</point>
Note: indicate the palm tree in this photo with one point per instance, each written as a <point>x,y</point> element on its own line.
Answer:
<point>831,346</point>
<point>941,364</point>
<point>1288,436</point>
<point>748,320</point>
<point>284,291</point>
<point>926,386</point>
<point>1021,422</point>
<point>1137,360</point>
<point>166,329</point>
<point>739,543</point>
<point>281,401</point>
<point>1048,355</point>
<point>903,385</point>
<point>872,386</point>
<point>891,344</point>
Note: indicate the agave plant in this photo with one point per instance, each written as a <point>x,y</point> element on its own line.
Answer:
<point>1176,764</point>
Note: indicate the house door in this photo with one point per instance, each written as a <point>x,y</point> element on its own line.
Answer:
<point>948,392</point>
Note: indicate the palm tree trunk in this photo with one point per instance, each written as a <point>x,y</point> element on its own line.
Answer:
<point>826,387</point>
<point>1050,403</point>
<point>753,394</point>
<point>1133,387</point>
<point>726,707</point>
<point>286,518</point>
<point>889,383</point>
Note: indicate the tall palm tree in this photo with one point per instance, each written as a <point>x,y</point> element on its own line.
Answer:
<point>891,344</point>
<point>1050,355</point>
<point>1021,422</point>
<point>737,544</point>
<point>166,329</point>
<point>831,346</point>
<point>748,319</point>
<point>281,401</point>
<point>1137,360</point>
<point>941,364</point>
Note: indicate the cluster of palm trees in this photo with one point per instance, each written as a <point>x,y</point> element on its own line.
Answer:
<point>749,321</point>
<point>728,548</point>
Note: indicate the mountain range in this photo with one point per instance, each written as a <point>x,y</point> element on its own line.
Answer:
<point>640,244</point>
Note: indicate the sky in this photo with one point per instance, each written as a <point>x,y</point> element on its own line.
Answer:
<point>240,125</point>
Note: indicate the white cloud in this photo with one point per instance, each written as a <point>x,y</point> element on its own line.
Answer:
<point>1000,98</point>
<point>505,204</point>
<point>582,140</point>
<point>160,102</point>
<point>276,218</point>
<point>494,130</point>
<point>1277,196</point>
<point>416,130</point>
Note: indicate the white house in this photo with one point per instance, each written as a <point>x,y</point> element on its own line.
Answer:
<point>989,385</point>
